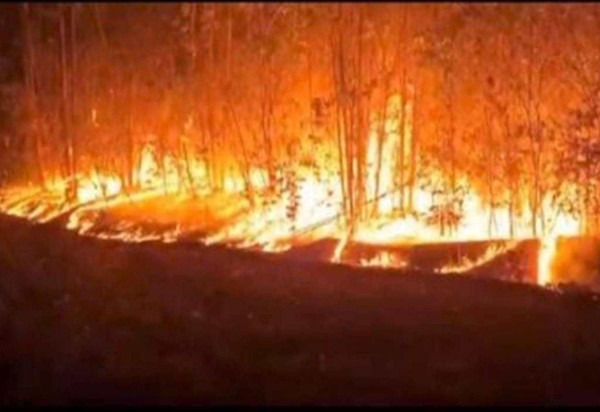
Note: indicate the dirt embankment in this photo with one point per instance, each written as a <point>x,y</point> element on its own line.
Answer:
<point>90,321</point>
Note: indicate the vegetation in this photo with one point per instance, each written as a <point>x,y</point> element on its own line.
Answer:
<point>502,96</point>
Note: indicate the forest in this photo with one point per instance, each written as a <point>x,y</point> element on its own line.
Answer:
<point>415,172</point>
<point>374,122</point>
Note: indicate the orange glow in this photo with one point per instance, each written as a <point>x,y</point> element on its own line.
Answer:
<point>384,259</point>
<point>467,264</point>
<point>311,208</point>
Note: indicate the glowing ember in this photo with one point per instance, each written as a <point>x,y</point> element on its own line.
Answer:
<point>384,259</point>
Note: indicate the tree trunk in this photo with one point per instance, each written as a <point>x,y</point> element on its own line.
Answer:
<point>66,108</point>
<point>413,151</point>
<point>130,182</point>
<point>31,86</point>
<point>403,120</point>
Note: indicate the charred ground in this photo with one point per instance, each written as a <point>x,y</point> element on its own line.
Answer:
<point>100,322</point>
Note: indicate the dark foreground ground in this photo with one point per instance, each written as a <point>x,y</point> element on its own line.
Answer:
<point>95,322</point>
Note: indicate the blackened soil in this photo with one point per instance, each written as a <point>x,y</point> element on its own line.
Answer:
<point>86,321</point>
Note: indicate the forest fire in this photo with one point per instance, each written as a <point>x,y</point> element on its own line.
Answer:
<point>269,227</point>
<point>265,221</point>
<point>360,142</point>
<point>299,203</point>
<point>490,253</point>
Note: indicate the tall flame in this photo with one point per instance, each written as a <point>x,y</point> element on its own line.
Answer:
<point>546,256</point>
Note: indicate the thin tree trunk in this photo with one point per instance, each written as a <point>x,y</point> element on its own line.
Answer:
<point>66,106</point>
<point>401,160</point>
<point>73,87</point>
<point>338,68</point>
<point>489,164</point>
<point>361,129</point>
<point>531,134</point>
<point>215,166</point>
<point>245,164</point>
<point>413,152</point>
<point>130,183</point>
<point>381,137</point>
<point>511,184</point>
<point>31,86</point>
<point>229,39</point>
<point>403,97</point>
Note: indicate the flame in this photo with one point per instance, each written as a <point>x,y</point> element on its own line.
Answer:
<point>491,253</point>
<point>384,259</point>
<point>337,253</point>
<point>546,257</point>
<point>309,205</point>
<point>564,225</point>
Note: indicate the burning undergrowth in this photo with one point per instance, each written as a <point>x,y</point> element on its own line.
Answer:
<point>359,139</point>
<point>431,238</point>
<point>153,216</point>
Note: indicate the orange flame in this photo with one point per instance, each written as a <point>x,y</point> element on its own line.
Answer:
<point>310,210</point>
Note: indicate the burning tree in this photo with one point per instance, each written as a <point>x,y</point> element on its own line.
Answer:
<point>371,122</point>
